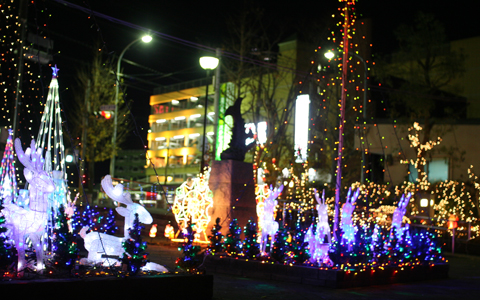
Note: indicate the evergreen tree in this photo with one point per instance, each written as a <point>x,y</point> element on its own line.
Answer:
<point>64,248</point>
<point>106,224</point>
<point>7,251</point>
<point>191,258</point>
<point>280,246</point>
<point>134,256</point>
<point>216,238</point>
<point>298,253</point>
<point>233,244</point>
<point>87,217</point>
<point>251,248</point>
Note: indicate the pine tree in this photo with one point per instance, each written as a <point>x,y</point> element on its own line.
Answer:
<point>7,251</point>
<point>250,248</point>
<point>64,248</point>
<point>233,244</point>
<point>191,258</point>
<point>134,256</point>
<point>298,253</point>
<point>280,246</point>
<point>216,245</point>
<point>110,225</point>
<point>87,217</point>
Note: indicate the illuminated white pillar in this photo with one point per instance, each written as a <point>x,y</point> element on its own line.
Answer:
<point>302,112</point>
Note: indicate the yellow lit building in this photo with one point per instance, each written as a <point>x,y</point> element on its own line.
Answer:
<point>176,130</point>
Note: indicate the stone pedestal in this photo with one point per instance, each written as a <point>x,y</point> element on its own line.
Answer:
<point>233,188</point>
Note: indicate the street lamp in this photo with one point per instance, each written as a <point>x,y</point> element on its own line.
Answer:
<point>330,55</point>
<point>208,63</point>
<point>145,39</point>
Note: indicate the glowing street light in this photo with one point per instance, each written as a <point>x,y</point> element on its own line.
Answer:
<point>208,63</point>
<point>145,39</point>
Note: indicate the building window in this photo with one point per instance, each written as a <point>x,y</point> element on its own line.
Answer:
<point>194,140</point>
<point>196,121</point>
<point>178,123</point>
<point>160,125</point>
<point>437,170</point>
<point>159,143</point>
<point>175,162</point>
<point>177,142</point>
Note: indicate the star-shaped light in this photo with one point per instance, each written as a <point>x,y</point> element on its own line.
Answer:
<point>55,71</point>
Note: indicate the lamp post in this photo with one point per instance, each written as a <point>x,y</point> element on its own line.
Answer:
<point>145,39</point>
<point>330,55</point>
<point>207,63</point>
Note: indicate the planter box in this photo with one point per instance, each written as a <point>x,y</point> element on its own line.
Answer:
<point>146,287</point>
<point>322,277</point>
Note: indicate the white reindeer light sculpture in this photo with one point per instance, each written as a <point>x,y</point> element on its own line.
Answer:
<point>104,248</point>
<point>270,226</point>
<point>347,222</point>
<point>398,215</point>
<point>316,241</point>
<point>22,222</point>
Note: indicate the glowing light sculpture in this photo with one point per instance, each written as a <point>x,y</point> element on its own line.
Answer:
<point>398,215</point>
<point>30,222</point>
<point>192,202</point>
<point>346,224</point>
<point>104,248</point>
<point>8,181</point>
<point>318,246</point>
<point>269,225</point>
<point>50,140</point>
<point>262,192</point>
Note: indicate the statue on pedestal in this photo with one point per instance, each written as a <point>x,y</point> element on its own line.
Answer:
<point>237,146</point>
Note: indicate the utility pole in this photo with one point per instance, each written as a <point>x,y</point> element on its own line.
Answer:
<point>341,126</point>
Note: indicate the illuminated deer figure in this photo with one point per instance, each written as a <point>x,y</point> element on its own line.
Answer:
<point>398,215</point>
<point>270,226</point>
<point>30,222</point>
<point>347,223</point>
<point>102,246</point>
<point>318,247</point>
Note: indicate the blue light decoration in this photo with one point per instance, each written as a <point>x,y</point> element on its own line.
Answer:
<point>100,220</point>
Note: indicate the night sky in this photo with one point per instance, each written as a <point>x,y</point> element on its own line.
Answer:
<point>164,62</point>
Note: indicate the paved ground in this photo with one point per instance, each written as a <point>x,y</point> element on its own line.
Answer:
<point>464,283</point>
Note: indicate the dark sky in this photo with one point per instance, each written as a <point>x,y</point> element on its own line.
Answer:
<point>75,32</point>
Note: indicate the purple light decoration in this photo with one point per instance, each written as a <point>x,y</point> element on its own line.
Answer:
<point>55,71</point>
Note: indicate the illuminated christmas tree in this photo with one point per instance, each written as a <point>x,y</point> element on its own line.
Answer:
<point>216,238</point>
<point>280,246</point>
<point>134,256</point>
<point>191,258</point>
<point>298,253</point>
<point>7,251</point>
<point>8,183</point>
<point>250,248</point>
<point>233,244</point>
<point>64,247</point>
